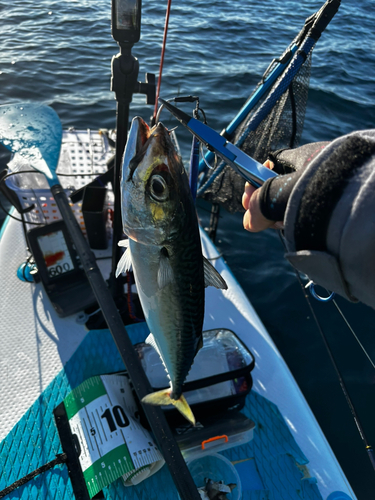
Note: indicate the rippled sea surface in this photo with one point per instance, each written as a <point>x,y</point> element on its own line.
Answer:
<point>59,53</point>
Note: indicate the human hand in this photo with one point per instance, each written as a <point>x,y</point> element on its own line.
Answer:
<point>253,220</point>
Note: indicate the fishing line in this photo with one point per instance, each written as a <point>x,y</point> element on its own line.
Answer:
<point>204,158</point>
<point>353,333</point>
<point>20,172</point>
<point>162,58</point>
<point>310,286</point>
<point>362,434</point>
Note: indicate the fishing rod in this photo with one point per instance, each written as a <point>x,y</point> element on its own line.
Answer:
<point>368,447</point>
<point>292,59</point>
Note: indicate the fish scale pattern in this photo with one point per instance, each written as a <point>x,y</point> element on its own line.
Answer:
<point>34,440</point>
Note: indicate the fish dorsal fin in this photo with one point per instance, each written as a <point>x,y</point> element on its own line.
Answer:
<point>165,272</point>
<point>125,263</point>
<point>212,277</point>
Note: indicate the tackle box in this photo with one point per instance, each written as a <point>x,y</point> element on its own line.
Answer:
<point>219,379</point>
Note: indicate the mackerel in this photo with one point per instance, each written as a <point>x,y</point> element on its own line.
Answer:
<point>164,250</point>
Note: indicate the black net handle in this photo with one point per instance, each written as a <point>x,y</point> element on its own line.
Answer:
<point>317,23</point>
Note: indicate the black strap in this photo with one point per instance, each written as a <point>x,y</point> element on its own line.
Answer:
<point>61,458</point>
<point>215,379</point>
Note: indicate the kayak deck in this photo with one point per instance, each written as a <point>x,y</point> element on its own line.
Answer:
<point>44,357</point>
<point>270,462</point>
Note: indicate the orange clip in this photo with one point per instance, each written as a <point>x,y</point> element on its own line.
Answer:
<point>214,439</point>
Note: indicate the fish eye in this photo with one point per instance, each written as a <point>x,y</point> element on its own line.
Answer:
<point>158,188</point>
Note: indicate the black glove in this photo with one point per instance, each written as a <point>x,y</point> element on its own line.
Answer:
<point>289,164</point>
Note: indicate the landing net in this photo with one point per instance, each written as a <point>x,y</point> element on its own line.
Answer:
<point>280,129</point>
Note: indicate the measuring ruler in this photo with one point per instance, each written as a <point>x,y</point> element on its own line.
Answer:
<point>103,418</point>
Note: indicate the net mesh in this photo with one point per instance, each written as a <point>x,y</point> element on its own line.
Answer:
<point>280,129</point>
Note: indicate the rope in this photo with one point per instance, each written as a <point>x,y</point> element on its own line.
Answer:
<point>61,458</point>
<point>162,58</point>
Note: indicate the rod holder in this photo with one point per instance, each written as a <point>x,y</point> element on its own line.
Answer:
<point>95,215</point>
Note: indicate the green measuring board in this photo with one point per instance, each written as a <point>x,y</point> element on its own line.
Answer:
<point>102,415</point>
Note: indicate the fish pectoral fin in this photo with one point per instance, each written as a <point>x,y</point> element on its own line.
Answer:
<point>212,277</point>
<point>165,272</point>
<point>125,263</point>
<point>123,243</point>
<point>163,398</point>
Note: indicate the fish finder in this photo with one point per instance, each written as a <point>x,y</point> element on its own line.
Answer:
<point>59,268</point>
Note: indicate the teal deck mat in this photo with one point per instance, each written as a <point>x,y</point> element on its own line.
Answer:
<point>34,441</point>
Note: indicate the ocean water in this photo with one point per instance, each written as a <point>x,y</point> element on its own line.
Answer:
<point>59,53</point>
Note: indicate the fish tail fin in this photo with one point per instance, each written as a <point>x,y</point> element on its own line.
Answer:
<point>163,398</point>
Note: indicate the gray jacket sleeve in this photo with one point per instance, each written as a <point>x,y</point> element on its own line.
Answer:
<point>330,218</point>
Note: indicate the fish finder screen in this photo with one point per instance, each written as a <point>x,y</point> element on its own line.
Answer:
<point>55,253</point>
<point>127,13</point>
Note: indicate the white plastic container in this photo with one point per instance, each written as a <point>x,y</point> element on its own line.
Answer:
<point>218,469</point>
<point>225,433</point>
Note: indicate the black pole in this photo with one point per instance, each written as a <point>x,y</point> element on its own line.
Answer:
<point>125,69</point>
<point>159,426</point>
